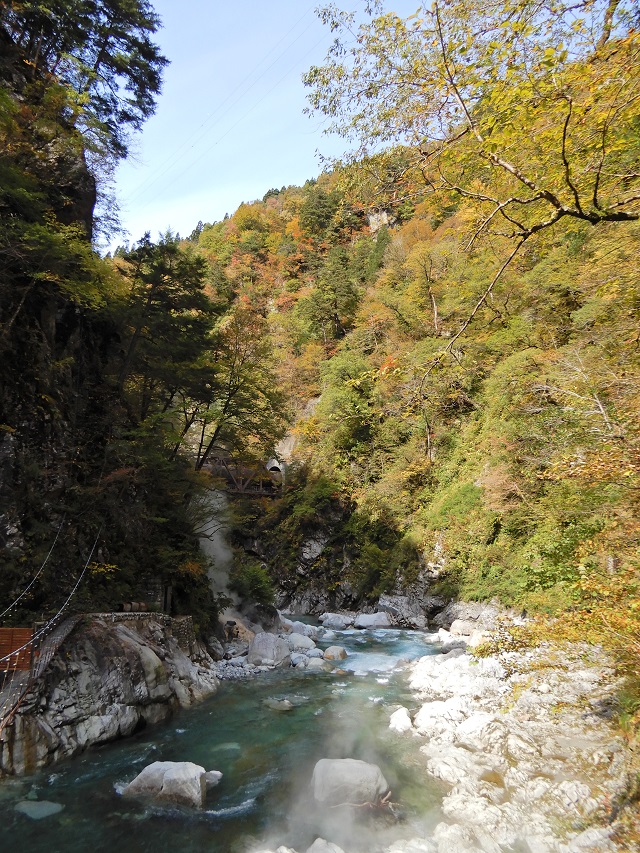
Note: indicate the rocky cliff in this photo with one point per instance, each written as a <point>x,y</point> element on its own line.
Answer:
<point>105,682</point>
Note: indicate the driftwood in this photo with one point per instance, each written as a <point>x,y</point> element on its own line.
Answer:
<point>385,802</point>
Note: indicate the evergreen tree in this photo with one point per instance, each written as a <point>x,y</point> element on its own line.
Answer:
<point>101,50</point>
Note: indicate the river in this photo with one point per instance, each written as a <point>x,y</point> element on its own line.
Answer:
<point>267,758</point>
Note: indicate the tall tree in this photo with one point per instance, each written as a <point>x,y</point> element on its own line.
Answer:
<point>102,50</point>
<point>167,318</point>
<point>245,410</point>
<point>527,108</point>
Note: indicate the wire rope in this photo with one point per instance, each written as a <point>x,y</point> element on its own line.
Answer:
<point>155,175</point>
<point>48,625</point>
<point>39,572</point>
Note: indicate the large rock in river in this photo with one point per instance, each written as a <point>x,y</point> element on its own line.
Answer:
<point>347,780</point>
<point>179,783</point>
<point>372,620</point>
<point>300,642</point>
<point>267,648</point>
<point>336,621</point>
<point>335,653</point>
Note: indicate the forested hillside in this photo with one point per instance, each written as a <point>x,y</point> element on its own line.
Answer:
<point>107,367</point>
<point>463,313</point>
<point>515,451</point>
<point>447,322</point>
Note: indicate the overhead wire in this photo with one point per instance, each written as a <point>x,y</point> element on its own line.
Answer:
<point>233,126</point>
<point>53,619</point>
<point>154,176</point>
<point>37,575</point>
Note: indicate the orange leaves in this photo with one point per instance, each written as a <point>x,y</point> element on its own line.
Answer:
<point>192,568</point>
<point>390,363</point>
<point>285,301</point>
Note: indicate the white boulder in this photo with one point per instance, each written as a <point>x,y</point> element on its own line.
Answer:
<point>454,839</point>
<point>372,620</point>
<point>400,721</point>
<point>347,780</point>
<point>336,621</point>
<point>300,641</point>
<point>462,628</point>
<point>413,845</point>
<point>440,717</point>
<point>267,647</point>
<point>304,629</point>
<point>173,782</point>
<point>212,778</point>
<point>455,765</point>
<point>314,653</point>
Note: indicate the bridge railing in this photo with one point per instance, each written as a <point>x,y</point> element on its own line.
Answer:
<point>243,479</point>
<point>27,656</point>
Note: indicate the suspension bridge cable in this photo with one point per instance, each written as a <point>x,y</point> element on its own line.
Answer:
<point>50,622</point>
<point>39,572</point>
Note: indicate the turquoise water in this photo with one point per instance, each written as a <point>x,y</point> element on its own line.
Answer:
<point>267,758</point>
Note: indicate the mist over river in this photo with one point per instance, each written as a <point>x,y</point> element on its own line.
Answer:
<point>266,757</point>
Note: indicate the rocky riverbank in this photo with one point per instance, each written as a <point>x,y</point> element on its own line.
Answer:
<point>107,681</point>
<point>525,743</point>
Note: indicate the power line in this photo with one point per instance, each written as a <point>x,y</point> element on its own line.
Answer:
<point>233,126</point>
<point>196,136</point>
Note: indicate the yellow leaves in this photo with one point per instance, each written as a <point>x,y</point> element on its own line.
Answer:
<point>104,571</point>
<point>309,429</point>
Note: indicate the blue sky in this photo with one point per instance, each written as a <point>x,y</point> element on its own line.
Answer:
<point>229,124</point>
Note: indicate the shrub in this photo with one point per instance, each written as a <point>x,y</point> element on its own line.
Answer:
<point>250,579</point>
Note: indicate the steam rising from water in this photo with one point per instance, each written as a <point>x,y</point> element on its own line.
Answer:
<point>355,725</point>
<point>267,758</point>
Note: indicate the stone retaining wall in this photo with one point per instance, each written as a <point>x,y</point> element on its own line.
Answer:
<point>180,627</point>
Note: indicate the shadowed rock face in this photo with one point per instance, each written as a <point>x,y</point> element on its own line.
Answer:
<point>347,780</point>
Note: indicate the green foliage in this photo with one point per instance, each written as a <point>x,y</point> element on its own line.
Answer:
<point>443,413</point>
<point>455,504</point>
<point>102,53</point>
<point>367,555</point>
<point>251,581</point>
<point>316,496</point>
<point>105,365</point>
<point>512,452</point>
<point>317,210</point>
